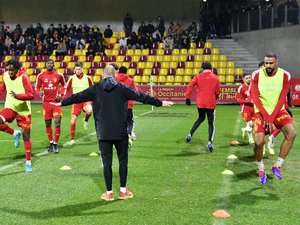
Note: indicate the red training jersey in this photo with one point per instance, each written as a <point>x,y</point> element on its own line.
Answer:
<point>208,89</point>
<point>244,98</point>
<point>125,79</point>
<point>52,83</point>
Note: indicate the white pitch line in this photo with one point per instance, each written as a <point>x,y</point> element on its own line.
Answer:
<point>46,152</point>
<point>227,179</point>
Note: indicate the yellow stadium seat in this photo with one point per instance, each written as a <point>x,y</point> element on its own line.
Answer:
<point>56,65</point>
<point>193,45</point>
<point>145,52</point>
<point>22,58</point>
<point>129,52</point>
<point>230,64</point>
<point>192,51</point>
<point>145,79</point>
<point>116,46</point>
<point>26,64</point>
<point>137,79</point>
<point>163,72</point>
<point>189,65</point>
<point>199,58</point>
<point>170,80</point>
<point>85,70</point>
<point>222,58</point>
<point>77,52</point>
<point>167,58</point>
<point>174,58</point>
<point>98,72</point>
<point>53,57</point>
<point>120,58</point>
<point>81,58</point>
<point>7,58</point>
<point>154,79</point>
<point>108,52</point>
<point>196,71</point>
<point>173,65</point>
<point>131,72</point>
<point>188,72</point>
<point>178,80</point>
<point>160,52</point>
<point>60,70</point>
<point>29,71</point>
<point>180,72</point>
<point>32,78</point>
<point>126,64</point>
<point>141,65</point>
<point>199,51</point>
<point>222,71</point>
<point>122,34</point>
<point>115,34</point>
<point>151,58</point>
<point>160,45</point>
<point>239,71</point>
<point>222,78</point>
<point>97,58</point>
<point>147,72</point>
<point>161,79</point>
<point>164,65</point>
<point>149,65</point>
<point>86,65</point>
<point>222,64</point>
<point>183,51</point>
<point>186,79</point>
<point>175,51</point>
<point>206,58</point>
<point>137,52</point>
<point>96,79</point>
<point>112,40</point>
<point>229,71</point>
<point>215,51</point>
<point>115,52</point>
<point>71,65</point>
<point>207,44</point>
<point>182,58</point>
<point>67,58</point>
<point>135,58</point>
<point>229,79</point>
<point>214,58</point>
<point>159,58</point>
<point>197,64</point>
<point>40,65</point>
<point>214,64</point>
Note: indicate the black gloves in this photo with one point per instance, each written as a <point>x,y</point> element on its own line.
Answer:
<point>188,101</point>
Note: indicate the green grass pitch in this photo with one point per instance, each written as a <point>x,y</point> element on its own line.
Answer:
<point>173,182</point>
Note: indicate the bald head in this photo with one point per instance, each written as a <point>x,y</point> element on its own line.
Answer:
<point>109,71</point>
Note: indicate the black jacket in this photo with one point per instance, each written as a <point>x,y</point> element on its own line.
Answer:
<point>110,99</point>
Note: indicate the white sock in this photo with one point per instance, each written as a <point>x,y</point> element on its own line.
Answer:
<point>16,132</point>
<point>109,192</point>
<point>123,189</point>
<point>250,135</point>
<point>279,162</point>
<point>248,128</point>
<point>260,165</point>
<point>28,162</point>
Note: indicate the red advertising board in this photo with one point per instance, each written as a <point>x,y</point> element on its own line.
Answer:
<point>295,91</point>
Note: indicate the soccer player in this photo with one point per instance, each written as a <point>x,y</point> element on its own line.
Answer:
<point>246,106</point>
<point>269,89</point>
<point>79,82</point>
<point>19,92</point>
<point>50,87</point>
<point>208,90</point>
<point>109,105</point>
<point>125,79</point>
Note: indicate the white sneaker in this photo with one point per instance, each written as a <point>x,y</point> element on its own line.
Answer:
<point>85,124</point>
<point>133,136</point>
<point>72,142</point>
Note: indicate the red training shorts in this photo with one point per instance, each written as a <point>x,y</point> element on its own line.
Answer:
<point>22,121</point>
<point>77,108</point>
<point>248,114</point>
<point>50,111</point>
<point>282,118</point>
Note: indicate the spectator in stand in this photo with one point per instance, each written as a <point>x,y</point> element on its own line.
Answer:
<point>30,46</point>
<point>108,33</point>
<point>156,36</point>
<point>30,31</point>
<point>150,29</point>
<point>128,24</point>
<point>47,49</point>
<point>80,44</point>
<point>123,43</point>
<point>142,28</point>
<point>92,49</point>
<point>39,48</point>
<point>131,42</point>
<point>169,43</point>
<point>18,30</point>
<point>100,49</point>
<point>161,26</point>
<point>171,29</point>
<point>61,49</point>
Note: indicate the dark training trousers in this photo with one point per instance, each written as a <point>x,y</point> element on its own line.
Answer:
<point>106,149</point>
<point>210,113</point>
<point>130,121</point>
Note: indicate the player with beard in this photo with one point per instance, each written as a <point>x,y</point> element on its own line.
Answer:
<point>269,89</point>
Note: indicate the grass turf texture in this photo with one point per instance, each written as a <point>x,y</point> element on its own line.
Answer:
<point>173,182</point>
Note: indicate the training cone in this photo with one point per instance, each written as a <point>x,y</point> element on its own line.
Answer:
<point>93,154</point>
<point>227,172</point>
<point>65,168</point>
<point>221,214</point>
<point>232,157</point>
<point>234,142</point>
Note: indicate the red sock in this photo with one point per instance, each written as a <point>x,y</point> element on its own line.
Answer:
<point>56,134</point>
<point>28,148</point>
<point>6,129</point>
<point>49,133</point>
<point>72,130</point>
<point>87,116</point>
<point>276,132</point>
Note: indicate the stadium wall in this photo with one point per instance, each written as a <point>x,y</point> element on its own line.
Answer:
<point>283,41</point>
